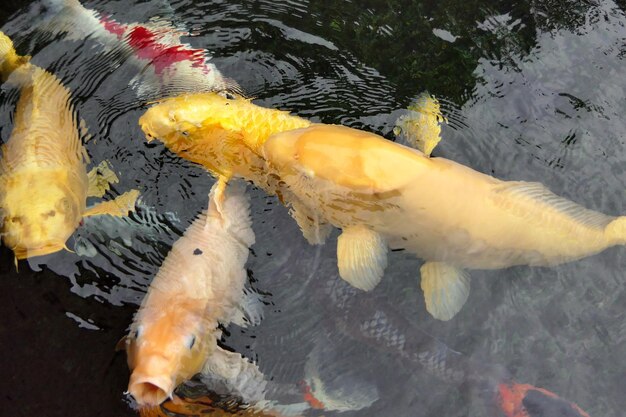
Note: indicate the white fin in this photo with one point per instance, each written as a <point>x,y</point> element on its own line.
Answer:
<point>100,178</point>
<point>313,229</point>
<point>445,287</point>
<point>361,257</point>
<point>249,311</point>
<point>241,377</point>
<point>120,207</point>
<point>523,199</point>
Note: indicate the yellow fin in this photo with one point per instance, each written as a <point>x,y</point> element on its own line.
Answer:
<point>218,195</point>
<point>445,287</point>
<point>361,257</point>
<point>100,178</point>
<point>313,229</point>
<point>421,127</point>
<point>120,207</point>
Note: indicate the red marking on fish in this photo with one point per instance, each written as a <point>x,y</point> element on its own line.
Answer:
<point>112,26</point>
<point>310,398</point>
<point>524,400</point>
<point>148,44</point>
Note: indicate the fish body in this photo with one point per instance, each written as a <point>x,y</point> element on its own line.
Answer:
<point>421,126</point>
<point>383,194</point>
<point>167,64</point>
<point>43,179</point>
<point>199,285</point>
<point>374,323</point>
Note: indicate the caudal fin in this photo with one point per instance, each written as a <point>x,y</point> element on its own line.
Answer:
<point>616,231</point>
<point>9,59</point>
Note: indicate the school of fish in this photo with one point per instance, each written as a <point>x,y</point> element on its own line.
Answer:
<point>380,194</point>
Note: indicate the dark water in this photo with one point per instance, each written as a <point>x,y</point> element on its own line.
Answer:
<point>532,91</point>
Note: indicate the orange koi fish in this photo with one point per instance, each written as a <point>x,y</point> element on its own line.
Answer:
<point>199,286</point>
<point>44,184</point>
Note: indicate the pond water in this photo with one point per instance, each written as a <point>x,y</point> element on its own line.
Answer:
<point>532,91</point>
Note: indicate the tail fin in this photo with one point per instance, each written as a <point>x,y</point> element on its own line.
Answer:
<point>9,59</point>
<point>616,231</point>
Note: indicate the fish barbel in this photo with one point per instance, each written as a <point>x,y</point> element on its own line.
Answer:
<point>43,180</point>
<point>383,194</point>
<point>199,286</point>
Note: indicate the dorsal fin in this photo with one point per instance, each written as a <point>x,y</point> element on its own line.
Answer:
<point>534,201</point>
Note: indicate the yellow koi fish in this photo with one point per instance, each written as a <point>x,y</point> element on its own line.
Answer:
<point>43,181</point>
<point>421,126</point>
<point>383,194</point>
<point>199,285</point>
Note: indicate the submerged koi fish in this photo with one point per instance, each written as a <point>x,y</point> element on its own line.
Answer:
<point>43,181</point>
<point>373,323</point>
<point>382,194</point>
<point>167,65</point>
<point>421,126</point>
<point>199,286</point>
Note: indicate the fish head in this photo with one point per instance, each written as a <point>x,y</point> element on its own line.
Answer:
<point>166,347</point>
<point>203,127</point>
<point>40,212</point>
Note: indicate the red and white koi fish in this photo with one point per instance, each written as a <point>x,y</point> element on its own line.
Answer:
<point>166,64</point>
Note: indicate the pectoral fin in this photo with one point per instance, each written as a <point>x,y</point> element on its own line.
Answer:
<point>100,178</point>
<point>240,376</point>
<point>313,229</point>
<point>445,287</point>
<point>120,207</point>
<point>361,257</point>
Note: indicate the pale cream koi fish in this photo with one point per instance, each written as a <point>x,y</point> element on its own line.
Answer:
<point>199,286</point>
<point>43,181</point>
<point>382,194</point>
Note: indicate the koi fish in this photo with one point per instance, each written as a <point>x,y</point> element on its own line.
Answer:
<point>379,325</point>
<point>421,126</point>
<point>167,65</point>
<point>382,194</point>
<point>199,286</point>
<point>44,184</point>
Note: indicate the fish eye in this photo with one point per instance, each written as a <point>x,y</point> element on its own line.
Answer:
<point>190,341</point>
<point>51,213</point>
<point>16,219</point>
<point>227,95</point>
<point>138,332</point>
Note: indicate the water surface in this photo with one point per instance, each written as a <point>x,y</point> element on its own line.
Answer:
<point>532,90</point>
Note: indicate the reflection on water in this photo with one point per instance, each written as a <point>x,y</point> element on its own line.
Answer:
<point>530,91</point>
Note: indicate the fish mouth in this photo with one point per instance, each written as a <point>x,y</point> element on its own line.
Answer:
<point>22,252</point>
<point>150,391</point>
